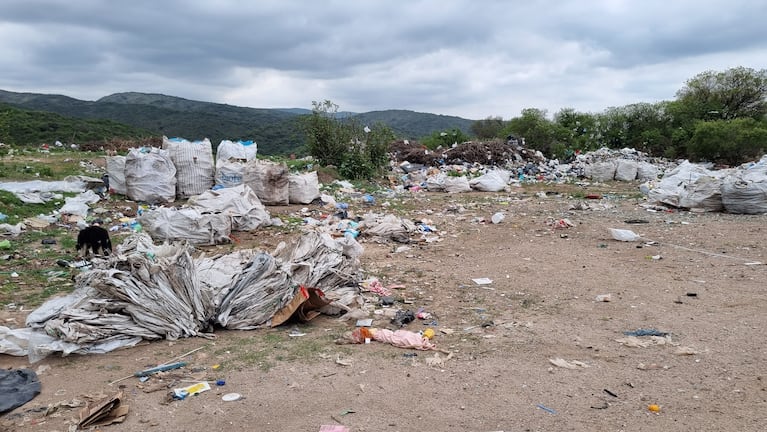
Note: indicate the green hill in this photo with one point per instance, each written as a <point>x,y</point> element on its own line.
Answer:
<point>275,130</point>
<point>25,127</point>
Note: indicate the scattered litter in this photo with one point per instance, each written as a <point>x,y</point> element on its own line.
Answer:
<point>685,351</point>
<point>161,368</point>
<point>104,412</point>
<point>654,408</point>
<point>343,362</point>
<point>334,428</point>
<point>603,298</point>
<point>437,360</point>
<point>366,322</point>
<point>610,393</point>
<point>635,342</point>
<point>498,218</point>
<point>624,235</point>
<point>482,281</point>
<point>403,317</point>
<point>562,363</point>
<point>197,388</point>
<point>547,409</point>
<point>645,332</point>
<point>231,397</point>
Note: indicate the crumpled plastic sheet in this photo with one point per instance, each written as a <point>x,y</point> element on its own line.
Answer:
<point>193,224</point>
<point>145,291</point>
<point>258,293</point>
<point>389,227</point>
<point>240,203</point>
<point>318,261</point>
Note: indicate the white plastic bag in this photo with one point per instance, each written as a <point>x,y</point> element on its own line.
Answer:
<point>624,235</point>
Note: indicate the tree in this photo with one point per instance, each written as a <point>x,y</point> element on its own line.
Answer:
<point>327,138</point>
<point>582,133</point>
<point>357,152</point>
<point>539,132</point>
<point>488,128</point>
<point>735,93</point>
<point>444,139</point>
<point>728,141</point>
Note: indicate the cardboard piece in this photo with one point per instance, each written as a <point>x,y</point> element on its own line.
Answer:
<point>104,411</point>
<point>304,306</point>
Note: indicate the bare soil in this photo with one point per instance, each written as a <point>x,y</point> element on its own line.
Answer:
<point>693,275</point>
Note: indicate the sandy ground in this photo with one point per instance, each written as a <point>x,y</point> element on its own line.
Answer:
<point>694,276</point>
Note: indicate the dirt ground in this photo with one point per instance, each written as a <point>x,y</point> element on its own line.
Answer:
<point>695,276</point>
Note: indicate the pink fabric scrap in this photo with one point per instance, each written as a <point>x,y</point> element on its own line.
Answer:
<point>403,339</point>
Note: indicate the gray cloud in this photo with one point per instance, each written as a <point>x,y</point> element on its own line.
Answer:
<point>473,59</point>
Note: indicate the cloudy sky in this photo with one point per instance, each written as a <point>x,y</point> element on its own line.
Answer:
<point>469,58</point>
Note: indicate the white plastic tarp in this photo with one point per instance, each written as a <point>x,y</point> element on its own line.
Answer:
<point>196,225</point>
<point>69,184</point>
<point>239,203</point>
<point>78,205</point>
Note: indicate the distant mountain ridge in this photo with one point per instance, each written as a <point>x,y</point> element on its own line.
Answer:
<point>275,130</point>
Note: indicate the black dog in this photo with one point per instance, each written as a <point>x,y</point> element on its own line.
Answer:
<point>93,239</point>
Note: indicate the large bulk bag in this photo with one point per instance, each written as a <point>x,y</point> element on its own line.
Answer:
<point>303,188</point>
<point>116,173</point>
<point>150,176</point>
<point>269,180</point>
<point>194,165</point>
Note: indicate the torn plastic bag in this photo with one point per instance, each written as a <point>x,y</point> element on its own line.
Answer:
<point>303,188</point>
<point>191,224</point>
<point>390,227</point>
<point>150,176</point>
<point>269,180</point>
<point>239,203</point>
<point>78,205</point>
<point>194,165</point>
<point>261,289</point>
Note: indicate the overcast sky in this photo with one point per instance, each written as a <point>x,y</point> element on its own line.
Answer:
<point>470,58</point>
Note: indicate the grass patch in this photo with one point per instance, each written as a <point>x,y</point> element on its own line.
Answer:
<point>264,350</point>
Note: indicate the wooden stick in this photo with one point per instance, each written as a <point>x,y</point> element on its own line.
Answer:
<point>181,356</point>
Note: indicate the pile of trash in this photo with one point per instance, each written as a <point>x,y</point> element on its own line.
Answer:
<point>146,291</point>
<point>416,167</point>
<point>741,190</point>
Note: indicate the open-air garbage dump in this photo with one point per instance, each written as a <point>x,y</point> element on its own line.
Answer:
<point>618,282</point>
